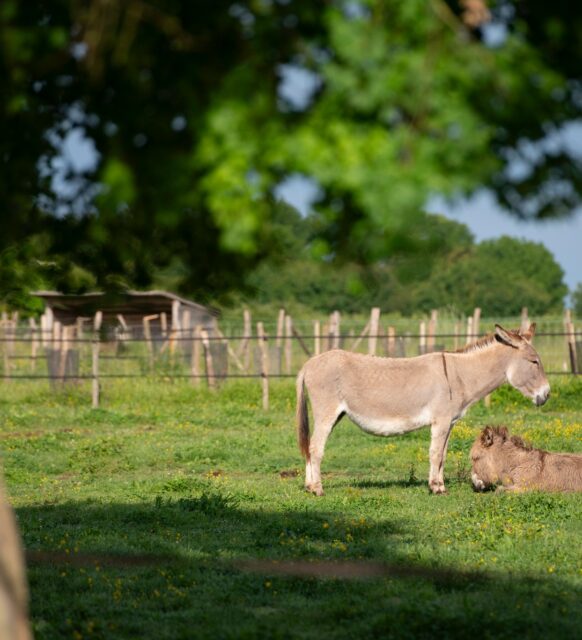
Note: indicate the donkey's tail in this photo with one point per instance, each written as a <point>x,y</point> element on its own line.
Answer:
<point>302,416</point>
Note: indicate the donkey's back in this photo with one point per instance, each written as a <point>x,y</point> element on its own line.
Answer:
<point>374,387</point>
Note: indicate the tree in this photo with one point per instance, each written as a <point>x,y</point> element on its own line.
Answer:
<point>501,276</point>
<point>293,273</point>
<point>192,133</point>
<point>577,300</point>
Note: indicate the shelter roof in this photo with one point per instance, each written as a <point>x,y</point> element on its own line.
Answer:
<point>135,302</point>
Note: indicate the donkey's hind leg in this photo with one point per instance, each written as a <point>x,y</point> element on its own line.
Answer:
<point>323,426</point>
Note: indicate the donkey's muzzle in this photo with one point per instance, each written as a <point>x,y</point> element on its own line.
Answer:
<point>542,398</point>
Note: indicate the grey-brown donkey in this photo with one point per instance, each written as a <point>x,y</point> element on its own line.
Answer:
<point>391,396</point>
<point>498,458</point>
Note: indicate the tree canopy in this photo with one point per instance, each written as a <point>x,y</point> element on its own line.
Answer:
<point>192,126</point>
<point>500,276</point>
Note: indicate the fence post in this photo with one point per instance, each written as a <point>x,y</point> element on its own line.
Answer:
<point>95,344</point>
<point>334,330</point>
<point>195,355</point>
<point>49,321</point>
<point>432,329</point>
<point>185,331</point>
<point>147,334</point>
<point>263,347</point>
<point>331,331</point>
<point>64,352</point>
<point>186,320</point>
<point>176,328</point>
<point>456,332</point>
<point>34,344</point>
<point>316,337</point>
<point>8,334</point>
<point>469,330</point>
<point>97,321</point>
<point>422,338</point>
<point>244,350</point>
<point>476,321</point>
<point>56,350</point>
<point>325,336</point>
<point>288,343</point>
<point>13,331</point>
<point>210,379</point>
<point>391,342</point>
<point>567,320</point>
<point>572,348</point>
<point>280,327</point>
<point>43,329</point>
<point>373,335</point>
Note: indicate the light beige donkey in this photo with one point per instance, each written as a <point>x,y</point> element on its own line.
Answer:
<point>500,459</point>
<point>391,396</point>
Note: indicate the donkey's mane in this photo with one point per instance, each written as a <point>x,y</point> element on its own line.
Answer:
<point>481,343</point>
<point>520,443</point>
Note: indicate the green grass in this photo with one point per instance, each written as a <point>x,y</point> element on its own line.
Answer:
<point>137,518</point>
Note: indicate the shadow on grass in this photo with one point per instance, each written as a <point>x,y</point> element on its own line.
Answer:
<point>387,484</point>
<point>209,566</point>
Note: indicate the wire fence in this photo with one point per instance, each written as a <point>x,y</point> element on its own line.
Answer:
<point>74,354</point>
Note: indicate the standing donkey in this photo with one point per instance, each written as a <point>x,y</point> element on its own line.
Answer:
<point>391,396</point>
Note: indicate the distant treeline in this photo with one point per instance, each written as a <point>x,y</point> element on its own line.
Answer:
<point>440,266</point>
<point>443,267</point>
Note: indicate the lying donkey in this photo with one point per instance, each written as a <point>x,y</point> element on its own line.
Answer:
<point>391,396</point>
<point>498,457</point>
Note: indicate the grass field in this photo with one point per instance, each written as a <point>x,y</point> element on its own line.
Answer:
<point>173,512</point>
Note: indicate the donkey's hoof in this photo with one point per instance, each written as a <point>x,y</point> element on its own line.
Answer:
<point>438,489</point>
<point>316,490</point>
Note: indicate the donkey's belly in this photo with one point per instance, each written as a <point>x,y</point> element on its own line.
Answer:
<point>391,425</point>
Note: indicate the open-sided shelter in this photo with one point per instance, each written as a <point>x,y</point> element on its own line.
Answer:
<point>129,309</point>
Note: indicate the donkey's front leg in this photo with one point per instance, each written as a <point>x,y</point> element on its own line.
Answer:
<point>439,439</point>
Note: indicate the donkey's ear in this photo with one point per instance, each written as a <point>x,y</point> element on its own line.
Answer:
<point>487,436</point>
<point>528,334</point>
<point>507,337</point>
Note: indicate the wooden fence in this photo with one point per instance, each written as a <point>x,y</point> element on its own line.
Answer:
<point>88,351</point>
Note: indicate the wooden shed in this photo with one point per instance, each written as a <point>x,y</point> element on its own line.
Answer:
<point>165,311</point>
